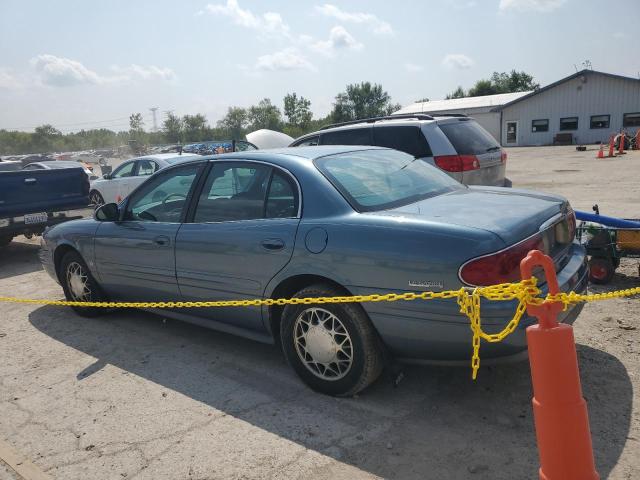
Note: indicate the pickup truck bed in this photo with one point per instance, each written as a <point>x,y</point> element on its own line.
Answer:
<point>31,200</point>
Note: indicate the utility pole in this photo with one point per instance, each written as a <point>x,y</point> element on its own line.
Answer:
<point>155,121</point>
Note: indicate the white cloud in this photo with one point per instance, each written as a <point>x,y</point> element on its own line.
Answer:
<point>63,72</point>
<point>457,60</point>
<point>8,81</point>
<point>269,23</point>
<point>378,26</point>
<point>287,59</point>
<point>413,68</point>
<point>339,39</point>
<point>531,5</point>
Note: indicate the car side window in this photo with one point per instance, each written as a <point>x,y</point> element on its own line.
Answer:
<point>308,142</point>
<point>282,199</point>
<point>125,170</point>
<point>233,192</point>
<point>348,136</point>
<point>164,198</point>
<point>407,139</point>
<point>146,167</point>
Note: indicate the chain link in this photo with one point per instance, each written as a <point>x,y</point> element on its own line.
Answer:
<point>525,292</point>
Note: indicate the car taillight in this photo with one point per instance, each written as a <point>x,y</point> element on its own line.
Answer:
<point>457,163</point>
<point>503,156</point>
<point>500,267</point>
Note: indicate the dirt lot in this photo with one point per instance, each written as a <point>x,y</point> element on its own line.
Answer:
<point>130,395</point>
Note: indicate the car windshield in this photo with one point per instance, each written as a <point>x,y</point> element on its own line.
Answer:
<point>373,180</point>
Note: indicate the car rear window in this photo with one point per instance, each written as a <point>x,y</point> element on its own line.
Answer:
<point>407,139</point>
<point>374,180</point>
<point>469,138</point>
<point>350,136</point>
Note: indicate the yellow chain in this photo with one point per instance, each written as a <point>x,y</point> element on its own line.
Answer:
<point>526,292</point>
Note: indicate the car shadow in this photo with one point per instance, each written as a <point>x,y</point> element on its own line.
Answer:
<point>436,424</point>
<point>19,258</point>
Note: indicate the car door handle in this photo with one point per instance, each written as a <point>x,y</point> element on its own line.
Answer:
<point>30,180</point>
<point>162,240</point>
<point>272,244</point>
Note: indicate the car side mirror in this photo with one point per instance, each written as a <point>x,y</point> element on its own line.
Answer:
<point>108,212</point>
<point>107,176</point>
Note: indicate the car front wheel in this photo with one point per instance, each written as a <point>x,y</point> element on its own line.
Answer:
<point>79,285</point>
<point>95,198</point>
<point>332,347</point>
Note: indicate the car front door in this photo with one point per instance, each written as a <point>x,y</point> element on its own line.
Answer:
<point>240,236</point>
<point>135,256</point>
<point>144,168</point>
<point>111,188</point>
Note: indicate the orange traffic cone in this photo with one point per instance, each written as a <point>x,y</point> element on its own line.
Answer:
<point>560,411</point>
<point>621,139</point>
<point>600,152</point>
<point>611,145</point>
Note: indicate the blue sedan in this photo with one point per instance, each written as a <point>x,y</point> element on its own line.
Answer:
<point>319,221</point>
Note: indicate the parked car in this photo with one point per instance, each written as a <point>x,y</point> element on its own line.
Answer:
<point>31,200</point>
<point>57,164</point>
<point>87,157</point>
<point>454,143</point>
<point>115,186</point>
<point>319,221</point>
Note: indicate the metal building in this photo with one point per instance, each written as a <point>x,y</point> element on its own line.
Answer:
<point>583,108</point>
<point>483,109</point>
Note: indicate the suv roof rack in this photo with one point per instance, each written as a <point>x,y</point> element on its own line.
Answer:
<point>445,114</point>
<point>416,116</point>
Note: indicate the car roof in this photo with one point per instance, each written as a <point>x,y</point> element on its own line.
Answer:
<point>163,156</point>
<point>307,153</point>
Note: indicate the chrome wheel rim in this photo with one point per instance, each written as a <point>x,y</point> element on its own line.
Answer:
<point>323,344</point>
<point>78,282</point>
<point>95,199</point>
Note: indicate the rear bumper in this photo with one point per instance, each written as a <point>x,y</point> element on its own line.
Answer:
<point>14,226</point>
<point>435,332</point>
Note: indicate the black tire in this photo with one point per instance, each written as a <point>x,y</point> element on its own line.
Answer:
<point>5,240</point>
<point>601,270</point>
<point>95,198</point>
<point>366,361</point>
<point>72,260</point>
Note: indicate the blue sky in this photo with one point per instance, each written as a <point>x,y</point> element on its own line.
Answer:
<point>82,64</point>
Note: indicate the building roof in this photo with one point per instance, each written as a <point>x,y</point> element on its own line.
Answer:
<point>581,73</point>
<point>465,103</point>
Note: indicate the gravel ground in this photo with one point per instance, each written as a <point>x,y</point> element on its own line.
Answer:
<point>131,395</point>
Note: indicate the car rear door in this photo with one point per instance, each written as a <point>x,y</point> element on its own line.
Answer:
<point>134,256</point>
<point>241,234</point>
<point>470,139</point>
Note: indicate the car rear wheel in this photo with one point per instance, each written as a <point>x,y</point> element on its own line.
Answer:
<point>332,347</point>
<point>601,270</point>
<point>95,198</point>
<point>79,285</point>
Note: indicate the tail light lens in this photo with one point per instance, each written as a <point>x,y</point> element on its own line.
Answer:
<point>500,267</point>
<point>457,163</point>
<point>503,156</point>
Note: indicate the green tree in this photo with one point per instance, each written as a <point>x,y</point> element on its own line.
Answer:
<point>297,110</point>
<point>195,127</point>
<point>457,93</point>
<point>362,100</point>
<point>264,115</point>
<point>136,123</point>
<point>234,123</point>
<point>172,128</point>
<point>422,100</point>
<point>483,87</point>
